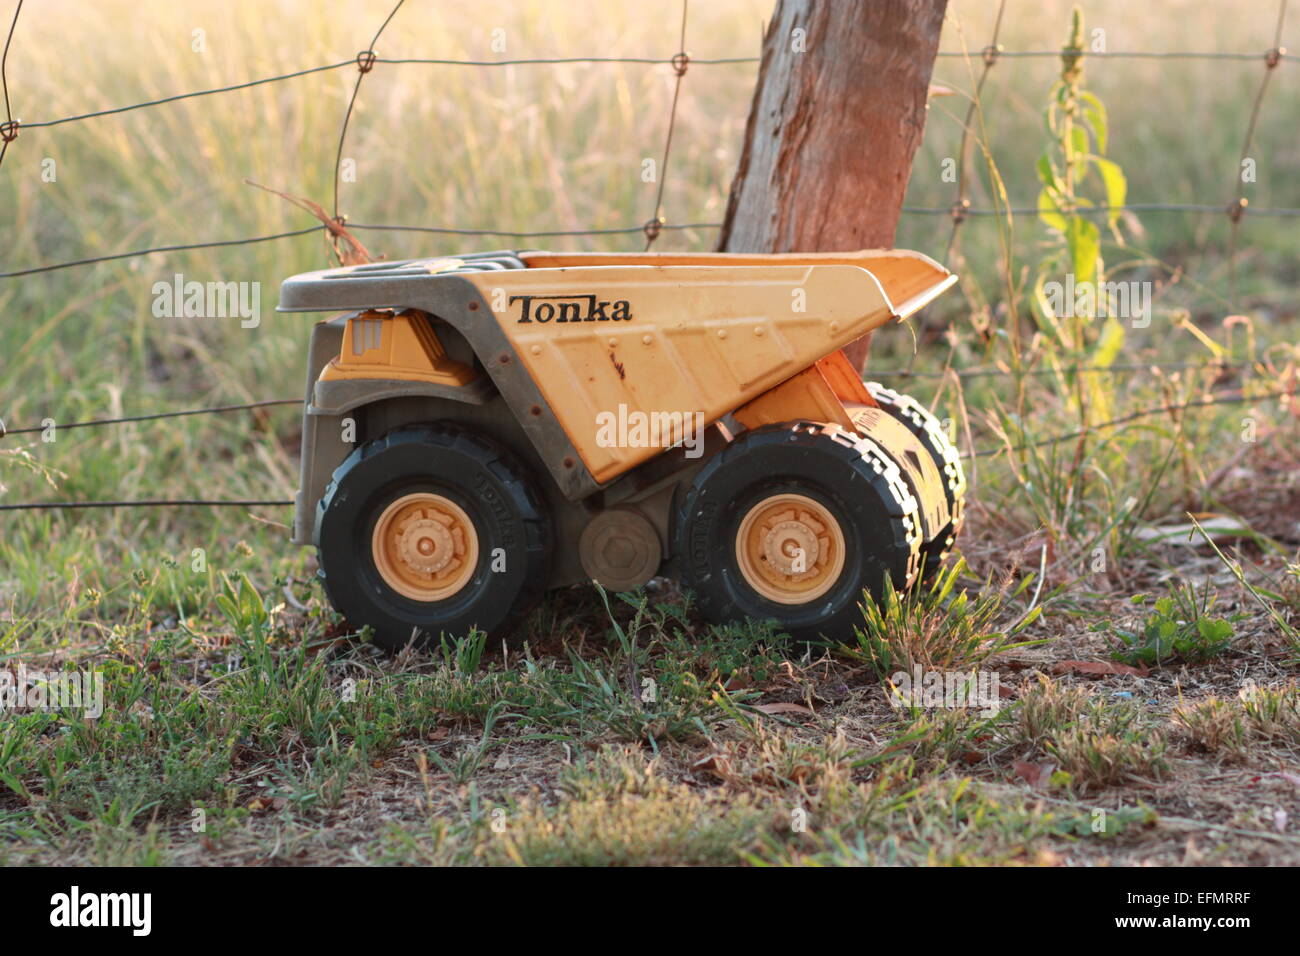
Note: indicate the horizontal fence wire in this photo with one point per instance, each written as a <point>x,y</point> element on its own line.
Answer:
<point>537,234</point>
<point>154,416</point>
<point>185,247</point>
<point>1240,399</point>
<point>116,110</point>
<point>1127,55</point>
<point>618,230</point>
<point>629,60</point>
<point>552,61</point>
<point>148,503</point>
<point>962,373</point>
<point>1119,368</point>
<point>1226,209</point>
<point>1230,399</point>
<point>329,67</point>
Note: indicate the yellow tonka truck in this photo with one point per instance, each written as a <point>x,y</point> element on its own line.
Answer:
<point>483,428</point>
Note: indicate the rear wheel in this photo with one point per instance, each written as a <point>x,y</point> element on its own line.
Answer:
<point>929,430</point>
<point>432,530</point>
<point>794,522</point>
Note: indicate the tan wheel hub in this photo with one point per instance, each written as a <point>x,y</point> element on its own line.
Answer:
<point>620,549</point>
<point>790,549</point>
<point>425,547</point>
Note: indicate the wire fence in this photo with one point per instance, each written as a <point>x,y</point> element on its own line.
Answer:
<point>961,209</point>
<point>1236,208</point>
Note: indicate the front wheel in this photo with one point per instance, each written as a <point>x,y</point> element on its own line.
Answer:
<point>794,522</point>
<point>432,530</point>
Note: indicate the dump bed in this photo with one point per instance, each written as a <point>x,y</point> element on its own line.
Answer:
<point>570,339</point>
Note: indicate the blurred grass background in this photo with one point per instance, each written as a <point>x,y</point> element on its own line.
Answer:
<point>529,147</point>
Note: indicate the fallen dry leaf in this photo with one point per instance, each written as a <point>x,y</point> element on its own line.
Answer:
<point>1097,667</point>
<point>1219,528</point>
<point>783,709</point>
<point>1037,775</point>
<point>714,763</point>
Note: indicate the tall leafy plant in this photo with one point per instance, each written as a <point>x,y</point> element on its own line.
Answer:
<point>1078,182</point>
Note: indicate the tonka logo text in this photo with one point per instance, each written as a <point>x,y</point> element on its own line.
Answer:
<point>570,308</point>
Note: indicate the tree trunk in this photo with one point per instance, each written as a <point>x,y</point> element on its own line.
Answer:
<point>838,113</point>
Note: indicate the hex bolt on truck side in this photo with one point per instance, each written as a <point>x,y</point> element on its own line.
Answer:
<point>460,455</point>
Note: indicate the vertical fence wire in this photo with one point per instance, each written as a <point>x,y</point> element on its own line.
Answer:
<point>1238,207</point>
<point>681,61</point>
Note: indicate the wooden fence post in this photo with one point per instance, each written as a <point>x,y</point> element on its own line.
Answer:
<point>838,113</point>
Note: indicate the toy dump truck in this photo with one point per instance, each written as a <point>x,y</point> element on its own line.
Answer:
<point>483,428</point>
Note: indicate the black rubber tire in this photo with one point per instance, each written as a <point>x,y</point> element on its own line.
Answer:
<point>478,475</point>
<point>929,430</point>
<point>851,476</point>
